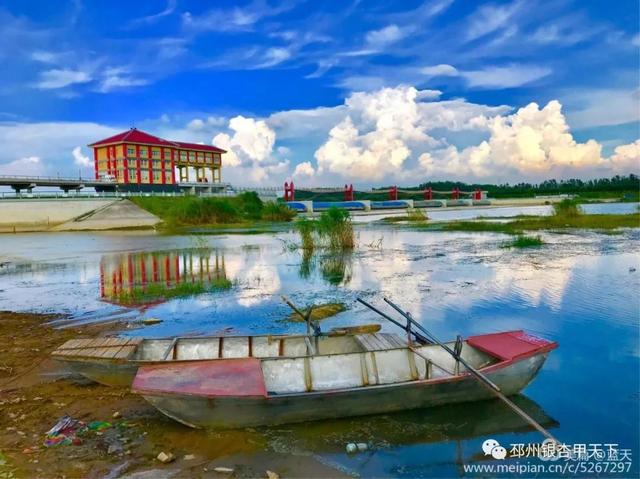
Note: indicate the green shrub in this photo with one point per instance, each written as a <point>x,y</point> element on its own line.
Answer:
<point>274,211</point>
<point>335,229</point>
<point>307,228</point>
<point>251,204</point>
<point>523,241</point>
<point>416,215</point>
<point>567,208</point>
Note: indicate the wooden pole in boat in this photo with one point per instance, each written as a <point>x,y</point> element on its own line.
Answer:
<point>306,317</point>
<point>482,379</point>
<point>421,339</point>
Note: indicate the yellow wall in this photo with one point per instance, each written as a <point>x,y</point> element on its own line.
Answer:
<point>122,151</point>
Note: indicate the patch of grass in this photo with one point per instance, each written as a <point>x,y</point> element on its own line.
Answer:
<point>524,241</point>
<point>182,211</point>
<point>307,228</point>
<point>332,230</point>
<point>320,312</point>
<point>414,215</point>
<point>275,211</point>
<point>567,208</point>
<point>554,222</point>
<point>335,229</point>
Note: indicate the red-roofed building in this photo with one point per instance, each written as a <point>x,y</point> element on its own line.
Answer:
<point>134,157</point>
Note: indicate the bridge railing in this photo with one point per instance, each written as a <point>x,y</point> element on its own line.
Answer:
<point>31,179</point>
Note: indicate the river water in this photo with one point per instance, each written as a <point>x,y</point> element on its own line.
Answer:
<point>580,289</point>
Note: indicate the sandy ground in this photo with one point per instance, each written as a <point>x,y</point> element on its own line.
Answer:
<point>36,391</point>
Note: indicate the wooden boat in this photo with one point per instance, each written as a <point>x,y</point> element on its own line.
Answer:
<point>243,392</point>
<point>114,361</point>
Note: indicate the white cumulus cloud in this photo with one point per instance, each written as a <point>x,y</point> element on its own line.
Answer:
<point>79,158</point>
<point>250,148</point>
<point>382,129</point>
<point>304,169</point>
<point>27,166</point>
<point>626,158</point>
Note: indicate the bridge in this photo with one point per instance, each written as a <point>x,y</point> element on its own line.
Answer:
<point>21,183</point>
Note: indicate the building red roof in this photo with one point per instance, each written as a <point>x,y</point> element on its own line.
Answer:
<point>140,137</point>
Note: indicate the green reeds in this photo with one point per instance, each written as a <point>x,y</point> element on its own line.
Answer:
<point>567,208</point>
<point>335,229</point>
<point>245,208</point>
<point>332,230</point>
<point>524,241</point>
<point>416,215</point>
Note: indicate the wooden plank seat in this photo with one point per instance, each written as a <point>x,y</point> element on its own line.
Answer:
<point>106,348</point>
<point>379,341</point>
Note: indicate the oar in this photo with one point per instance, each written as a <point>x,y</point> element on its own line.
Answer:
<point>482,379</point>
<point>420,338</point>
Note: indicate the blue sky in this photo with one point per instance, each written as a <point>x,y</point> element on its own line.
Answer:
<point>328,92</point>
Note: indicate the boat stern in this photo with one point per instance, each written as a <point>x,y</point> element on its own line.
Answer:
<point>520,357</point>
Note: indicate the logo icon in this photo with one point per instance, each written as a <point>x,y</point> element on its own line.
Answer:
<point>492,448</point>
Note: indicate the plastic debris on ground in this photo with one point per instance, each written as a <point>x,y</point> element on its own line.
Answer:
<point>67,431</point>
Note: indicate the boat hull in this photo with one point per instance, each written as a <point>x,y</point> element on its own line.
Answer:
<point>109,373</point>
<point>248,411</point>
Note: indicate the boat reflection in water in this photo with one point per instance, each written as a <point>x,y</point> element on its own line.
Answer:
<point>424,430</point>
<point>432,442</point>
<point>144,278</point>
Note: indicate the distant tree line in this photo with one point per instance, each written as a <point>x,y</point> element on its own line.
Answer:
<point>616,184</point>
<point>621,187</point>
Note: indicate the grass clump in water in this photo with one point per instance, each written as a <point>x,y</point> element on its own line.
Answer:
<point>275,211</point>
<point>414,215</point>
<point>524,241</point>
<point>567,208</point>
<point>320,312</point>
<point>332,230</point>
<point>335,229</point>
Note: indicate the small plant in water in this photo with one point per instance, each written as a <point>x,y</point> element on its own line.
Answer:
<point>335,229</point>
<point>306,228</point>
<point>416,215</point>
<point>523,241</point>
<point>567,208</point>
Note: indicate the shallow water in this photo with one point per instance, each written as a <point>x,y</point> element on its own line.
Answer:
<point>580,290</point>
<point>469,213</point>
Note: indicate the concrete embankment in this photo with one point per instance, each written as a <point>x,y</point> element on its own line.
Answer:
<point>71,214</point>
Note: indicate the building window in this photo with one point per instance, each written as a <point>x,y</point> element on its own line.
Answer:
<point>144,163</point>
<point>156,153</point>
<point>143,151</point>
<point>132,175</point>
<point>131,151</point>
<point>183,156</point>
<point>156,164</point>
<point>167,153</point>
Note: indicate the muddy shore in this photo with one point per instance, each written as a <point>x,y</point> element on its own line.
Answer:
<point>36,391</point>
